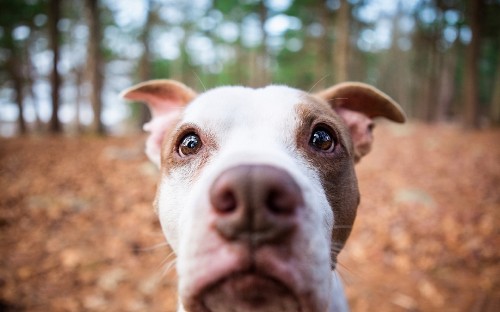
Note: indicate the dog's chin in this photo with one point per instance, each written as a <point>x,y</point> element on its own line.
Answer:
<point>249,291</point>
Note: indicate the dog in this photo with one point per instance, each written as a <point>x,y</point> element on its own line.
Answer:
<point>258,192</point>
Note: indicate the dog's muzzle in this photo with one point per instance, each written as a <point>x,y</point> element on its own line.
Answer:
<point>255,208</point>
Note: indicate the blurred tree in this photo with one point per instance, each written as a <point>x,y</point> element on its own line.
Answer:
<point>55,79</point>
<point>73,42</point>
<point>489,67</point>
<point>263,60</point>
<point>471,108</point>
<point>95,63</point>
<point>32,74</point>
<point>145,61</point>
<point>495,98</point>
<point>14,68</point>
<point>426,39</point>
<point>446,61</point>
<point>442,62</point>
<point>393,64</point>
<point>16,17</point>
<point>342,36</point>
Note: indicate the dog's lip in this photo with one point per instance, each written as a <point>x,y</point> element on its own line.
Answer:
<point>249,280</point>
<point>269,271</point>
<point>249,277</point>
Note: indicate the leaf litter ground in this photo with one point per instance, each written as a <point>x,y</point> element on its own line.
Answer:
<point>78,232</point>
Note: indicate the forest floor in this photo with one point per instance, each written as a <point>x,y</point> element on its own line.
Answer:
<point>78,233</point>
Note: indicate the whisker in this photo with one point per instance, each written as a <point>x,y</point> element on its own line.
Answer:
<point>167,258</point>
<point>349,275</point>
<point>344,267</point>
<point>202,84</point>
<point>337,99</point>
<point>337,277</point>
<point>324,77</point>
<point>168,267</point>
<point>159,245</point>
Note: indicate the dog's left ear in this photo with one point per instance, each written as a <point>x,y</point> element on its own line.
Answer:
<point>165,99</point>
<point>358,104</point>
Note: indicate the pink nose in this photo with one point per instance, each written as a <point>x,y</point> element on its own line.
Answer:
<point>256,204</point>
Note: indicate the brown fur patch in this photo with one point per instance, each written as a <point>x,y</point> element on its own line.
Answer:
<point>336,169</point>
<point>171,158</point>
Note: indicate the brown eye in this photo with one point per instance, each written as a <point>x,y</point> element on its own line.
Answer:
<point>190,144</point>
<point>322,140</point>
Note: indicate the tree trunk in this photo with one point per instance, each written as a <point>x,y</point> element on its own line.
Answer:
<point>95,64</point>
<point>79,80</point>
<point>432,81</point>
<point>54,16</point>
<point>447,86</point>
<point>30,86</point>
<point>13,67</point>
<point>322,48</point>
<point>31,76</point>
<point>426,64</point>
<point>495,98</point>
<point>341,46</point>
<point>394,68</point>
<point>145,62</point>
<point>263,58</point>
<point>471,109</point>
<point>15,73</point>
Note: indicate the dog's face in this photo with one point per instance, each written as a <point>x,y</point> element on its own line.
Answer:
<point>258,193</point>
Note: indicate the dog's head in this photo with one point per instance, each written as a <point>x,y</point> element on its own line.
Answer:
<point>258,192</point>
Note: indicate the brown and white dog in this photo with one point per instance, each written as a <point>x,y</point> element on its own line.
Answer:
<point>258,193</point>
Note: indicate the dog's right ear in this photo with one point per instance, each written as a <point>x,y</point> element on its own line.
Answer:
<point>165,99</point>
<point>358,104</point>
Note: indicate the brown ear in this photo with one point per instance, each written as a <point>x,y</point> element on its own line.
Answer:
<point>358,103</point>
<point>363,98</point>
<point>166,99</point>
<point>160,95</point>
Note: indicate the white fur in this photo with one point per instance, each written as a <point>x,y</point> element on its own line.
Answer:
<point>250,127</point>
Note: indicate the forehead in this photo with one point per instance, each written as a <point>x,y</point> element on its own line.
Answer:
<point>237,107</point>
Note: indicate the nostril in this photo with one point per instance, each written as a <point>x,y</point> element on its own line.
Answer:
<point>280,203</point>
<point>225,201</point>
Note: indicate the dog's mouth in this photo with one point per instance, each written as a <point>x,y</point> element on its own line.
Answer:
<point>249,291</point>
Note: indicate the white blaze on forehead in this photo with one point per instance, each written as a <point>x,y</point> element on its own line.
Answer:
<point>266,114</point>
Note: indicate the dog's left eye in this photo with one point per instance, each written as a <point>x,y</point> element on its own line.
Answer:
<point>190,144</point>
<point>322,139</point>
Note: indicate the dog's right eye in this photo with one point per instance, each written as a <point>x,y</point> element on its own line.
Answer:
<point>322,140</point>
<point>190,144</point>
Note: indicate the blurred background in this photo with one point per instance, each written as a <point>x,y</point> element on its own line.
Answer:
<point>64,62</point>
<point>77,230</point>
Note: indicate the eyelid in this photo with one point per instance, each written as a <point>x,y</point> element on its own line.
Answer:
<point>183,131</point>
<point>330,130</point>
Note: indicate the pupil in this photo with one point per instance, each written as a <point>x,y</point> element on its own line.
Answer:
<point>321,140</point>
<point>190,145</point>
<point>191,142</point>
<point>321,137</point>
